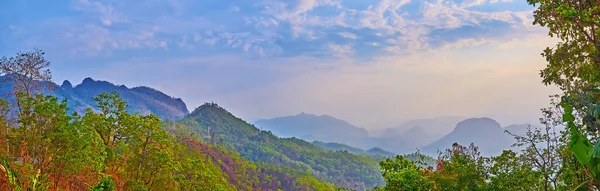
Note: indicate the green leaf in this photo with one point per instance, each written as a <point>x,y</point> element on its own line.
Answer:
<point>596,111</point>
<point>592,90</point>
<point>594,164</point>
<point>580,145</point>
<point>583,186</point>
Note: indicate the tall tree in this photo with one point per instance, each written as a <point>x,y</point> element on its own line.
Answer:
<point>27,71</point>
<point>574,66</point>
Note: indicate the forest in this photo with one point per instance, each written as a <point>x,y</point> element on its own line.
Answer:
<point>44,145</point>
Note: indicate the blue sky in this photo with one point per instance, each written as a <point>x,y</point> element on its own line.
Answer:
<point>373,63</point>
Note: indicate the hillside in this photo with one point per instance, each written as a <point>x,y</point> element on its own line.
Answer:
<point>229,171</point>
<point>485,133</point>
<point>142,100</point>
<point>217,125</point>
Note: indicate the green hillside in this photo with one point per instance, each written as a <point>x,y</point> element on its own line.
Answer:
<point>343,168</point>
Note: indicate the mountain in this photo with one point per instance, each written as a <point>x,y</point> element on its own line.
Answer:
<point>438,126</point>
<point>420,132</point>
<point>416,136</point>
<point>485,133</point>
<point>314,128</point>
<point>375,152</point>
<point>143,100</point>
<point>215,124</point>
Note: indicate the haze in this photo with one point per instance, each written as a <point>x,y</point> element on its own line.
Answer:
<point>374,64</point>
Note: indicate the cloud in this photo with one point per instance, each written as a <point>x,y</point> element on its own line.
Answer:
<point>348,35</point>
<point>269,27</point>
<point>321,56</point>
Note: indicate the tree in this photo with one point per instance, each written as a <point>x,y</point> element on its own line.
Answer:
<point>544,148</point>
<point>403,174</point>
<point>574,66</point>
<point>510,172</point>
<point>460,168</point>
<point>150,166</point>
<point>28,71</point>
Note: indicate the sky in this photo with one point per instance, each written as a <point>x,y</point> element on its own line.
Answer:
<point>372,63</point>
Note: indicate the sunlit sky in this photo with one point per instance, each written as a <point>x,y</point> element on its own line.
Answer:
<point>372,63</point>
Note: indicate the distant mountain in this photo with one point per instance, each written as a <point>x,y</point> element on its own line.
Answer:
<point>143,100</point>
<point>485,133</point>
<point>314,128</point>
<point>413,134</point>
<point>416,136</point>
<point>419,132</point>
<point>438,126</point>
<point>373,152</point>
<point>379,152</point>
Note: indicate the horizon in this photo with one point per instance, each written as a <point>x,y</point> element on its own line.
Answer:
<point>375,65</point>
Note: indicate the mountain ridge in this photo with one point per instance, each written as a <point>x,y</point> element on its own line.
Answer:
<point>141,99</point>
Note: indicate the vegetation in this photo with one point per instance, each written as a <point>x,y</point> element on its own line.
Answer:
<point>550,159</point>
<point>47,147</point>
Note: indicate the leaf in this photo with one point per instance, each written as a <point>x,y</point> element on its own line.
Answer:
<point>596,111</point>
<point>580,145</point>
<point>583,186</point>
<point>595,160</point>
<point>568,114</point>
<point>592,90</point>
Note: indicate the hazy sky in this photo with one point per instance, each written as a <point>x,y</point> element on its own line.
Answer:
<point>372,63</point>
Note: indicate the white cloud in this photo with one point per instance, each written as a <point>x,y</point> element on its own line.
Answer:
<point>340,51</point>
<point>184,43</point>
<point>347,35</point>
<point>106,13</point>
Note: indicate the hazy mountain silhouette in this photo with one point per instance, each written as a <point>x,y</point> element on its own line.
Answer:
<point>435,128</point>
<point>485,133</point>
<point>143,100</point>
<point>314,128</point>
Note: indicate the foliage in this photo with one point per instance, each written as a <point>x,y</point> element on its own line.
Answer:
<point>509,172</point>
<point>403,174</point>
<point>573,66</point>
<point>460,168</point>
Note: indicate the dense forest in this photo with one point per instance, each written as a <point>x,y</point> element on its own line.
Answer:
<point>46,146</point>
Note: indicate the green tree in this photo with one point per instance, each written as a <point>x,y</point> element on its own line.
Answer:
<point>110,125</point>
<point>150,166</point>
<point>460,168</point>
<point>403,174</point>
<point>574,66</point>
<point>510,172</point>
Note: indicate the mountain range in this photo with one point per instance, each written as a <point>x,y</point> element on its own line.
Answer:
<point>142,99</point>
<point>425,135</point>
<point>421,131</point>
